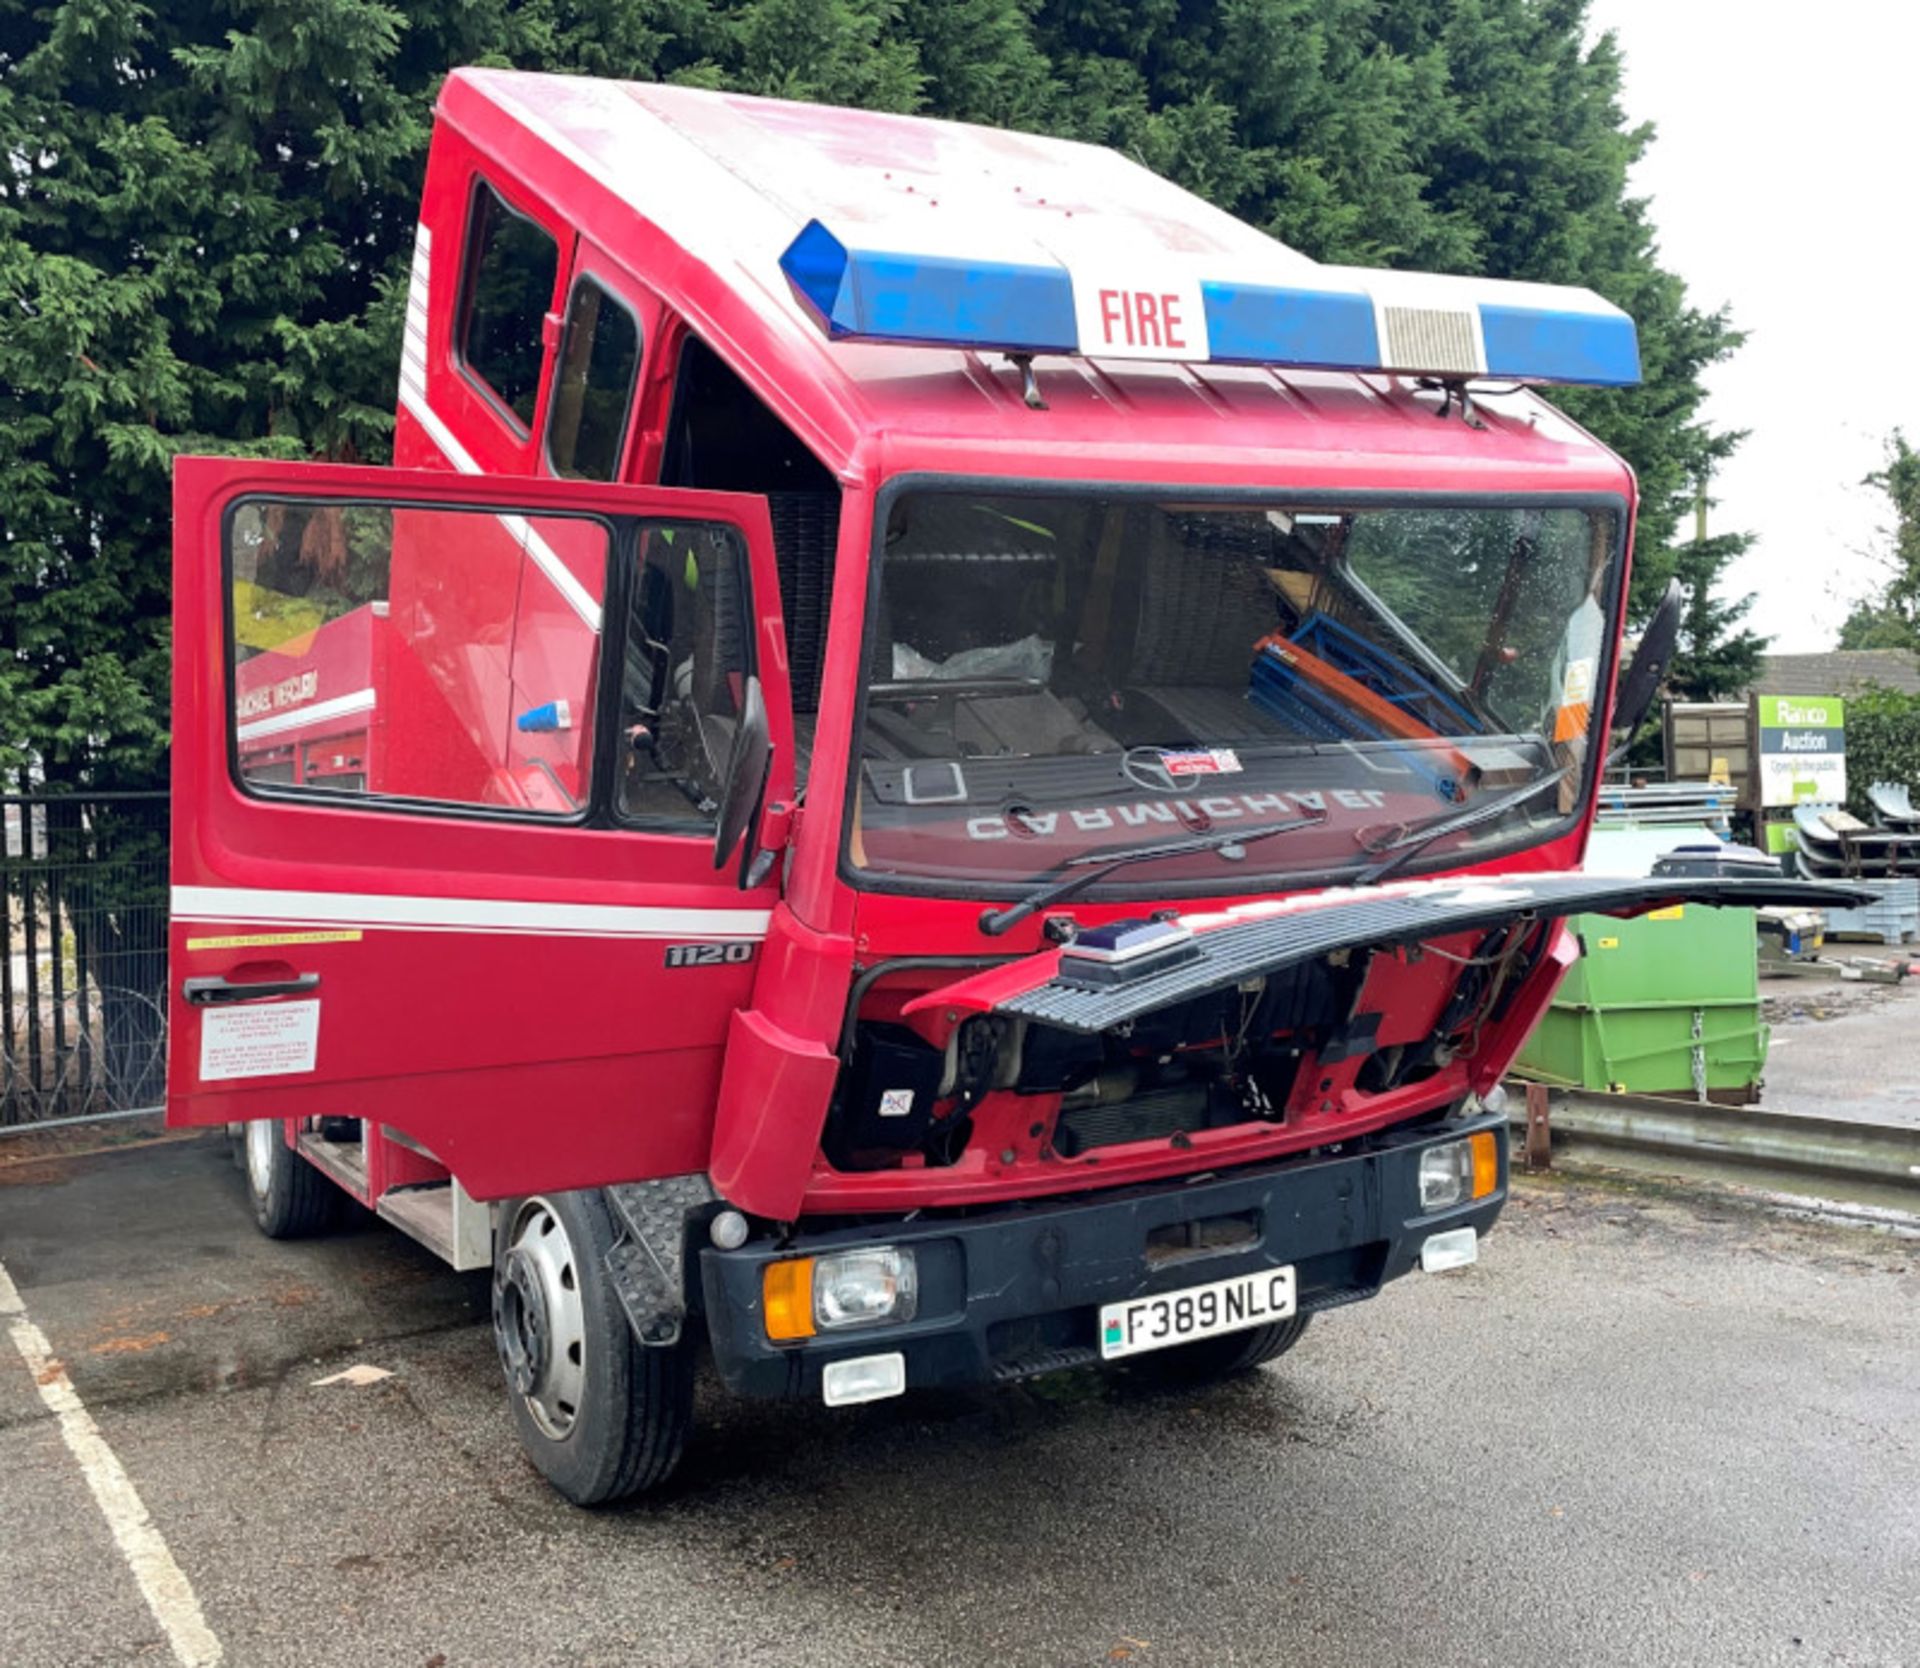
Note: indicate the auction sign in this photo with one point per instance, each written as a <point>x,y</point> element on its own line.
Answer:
<point>1802,753</point>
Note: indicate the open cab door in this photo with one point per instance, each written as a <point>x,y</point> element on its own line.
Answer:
<point>451,757</point>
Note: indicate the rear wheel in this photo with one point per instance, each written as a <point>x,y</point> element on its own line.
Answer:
<point>291,1199</point>
<point>1208,1359</point>
<point>600,1414</point>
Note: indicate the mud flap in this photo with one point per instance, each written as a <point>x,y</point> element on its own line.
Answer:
<point>773,1106</point>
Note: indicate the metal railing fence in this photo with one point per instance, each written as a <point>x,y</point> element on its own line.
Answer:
<point>83,995</point>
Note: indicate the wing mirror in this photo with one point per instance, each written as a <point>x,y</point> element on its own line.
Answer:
<point>749,763</point>
<point>1641,681</point>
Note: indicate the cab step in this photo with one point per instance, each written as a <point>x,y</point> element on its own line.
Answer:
<point>343,1162</point>
<point>446,1219</point>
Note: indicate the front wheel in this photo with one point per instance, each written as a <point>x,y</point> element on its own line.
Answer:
<point>600,1414</point>
<point>1208,1359</point>
<point>291,1199</point>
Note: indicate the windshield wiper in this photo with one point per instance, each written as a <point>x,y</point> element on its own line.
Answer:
<point>1418,839</point>
<point>1096,866</point>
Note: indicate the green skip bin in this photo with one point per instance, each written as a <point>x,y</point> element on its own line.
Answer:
<point>1668,1004</point>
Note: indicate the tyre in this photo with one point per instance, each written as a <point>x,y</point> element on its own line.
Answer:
<point>601,1415</point>
<point>1208,1359</point>
<point>291,1199</point>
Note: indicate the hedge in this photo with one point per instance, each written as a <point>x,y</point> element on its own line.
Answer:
<point>1883,743</point>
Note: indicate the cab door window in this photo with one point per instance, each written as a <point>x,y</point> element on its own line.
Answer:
<point>510,269</point>
<point>687,658</point>
<point>593,385</point>
<point>423,657</point>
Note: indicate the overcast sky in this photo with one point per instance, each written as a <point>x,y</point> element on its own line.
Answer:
<point>1782,183</point>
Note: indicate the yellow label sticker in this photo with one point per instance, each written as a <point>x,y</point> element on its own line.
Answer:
<point>1673,912</point>
<point>263,940</point>
<point>1609,943</point>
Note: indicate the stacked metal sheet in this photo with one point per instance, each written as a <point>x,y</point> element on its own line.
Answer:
<point>1894,918</point>
<point>1659,804</point>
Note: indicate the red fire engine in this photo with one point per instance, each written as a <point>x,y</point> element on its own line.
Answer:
<point>937,763</point>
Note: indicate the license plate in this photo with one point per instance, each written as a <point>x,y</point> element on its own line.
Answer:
<point>1144,1323</point>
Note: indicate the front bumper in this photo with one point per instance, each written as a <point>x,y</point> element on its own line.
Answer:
<point>1012,1292</point>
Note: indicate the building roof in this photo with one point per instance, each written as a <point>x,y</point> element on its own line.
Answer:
<point>1840,672</point>
<point>704,191</point>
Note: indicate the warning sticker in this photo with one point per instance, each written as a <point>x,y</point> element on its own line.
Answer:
<point>259,940</point>
<point>1576,702</point>
<point>1200,761</point>
<point>274,1039</point>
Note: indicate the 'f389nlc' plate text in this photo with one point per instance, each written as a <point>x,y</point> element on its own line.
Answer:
<point>1143,1323</point>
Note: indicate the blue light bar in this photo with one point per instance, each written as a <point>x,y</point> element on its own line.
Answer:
<point>1585,347</point>
<point>1257,324</point>
<point>1345,318</point>
<point>930,300</point>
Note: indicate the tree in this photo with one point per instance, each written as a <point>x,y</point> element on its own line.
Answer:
<point>198,234</point>
<point>1457,135</point>
<point>1868,626</point>
<point>1889,616</point>
<point>207,208</point>
<point>1717,656</point>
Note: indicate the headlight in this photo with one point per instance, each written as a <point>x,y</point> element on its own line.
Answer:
<point>1456,1171</point>
<point>1446,1172</point>
<point>806,1295</point>
<point>858,1288</point>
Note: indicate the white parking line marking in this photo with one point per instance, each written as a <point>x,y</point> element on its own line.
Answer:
<point>162,1583</point>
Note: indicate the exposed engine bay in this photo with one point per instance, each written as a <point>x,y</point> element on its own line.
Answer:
<point>1304,1047</point>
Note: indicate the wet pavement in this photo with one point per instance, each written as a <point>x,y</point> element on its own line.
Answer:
<point>1845,1050</point>
<point>1647,1428</point>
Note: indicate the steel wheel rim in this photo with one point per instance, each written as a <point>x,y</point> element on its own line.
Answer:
<point>542,1254</point>
<point>262,1133</point>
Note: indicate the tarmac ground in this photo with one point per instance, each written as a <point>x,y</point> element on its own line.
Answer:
<point>1847,1050</point>
<point>1650,1426</point>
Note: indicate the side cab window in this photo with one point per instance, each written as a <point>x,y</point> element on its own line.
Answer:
<point>510,271</point>
<point>594,382</point>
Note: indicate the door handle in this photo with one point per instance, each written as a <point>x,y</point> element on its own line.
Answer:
<point>217,988</point>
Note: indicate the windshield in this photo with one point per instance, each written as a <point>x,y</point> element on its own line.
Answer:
<point>1053,677</point>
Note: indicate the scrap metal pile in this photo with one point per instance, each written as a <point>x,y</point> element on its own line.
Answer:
<point>1831,844</point>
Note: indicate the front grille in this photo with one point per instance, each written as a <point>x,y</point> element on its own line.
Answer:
<point>1151,1115</point>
